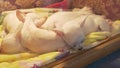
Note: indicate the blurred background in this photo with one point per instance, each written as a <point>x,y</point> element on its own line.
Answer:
<point>109,8</point>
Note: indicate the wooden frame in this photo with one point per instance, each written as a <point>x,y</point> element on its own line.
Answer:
<point>83,58</point>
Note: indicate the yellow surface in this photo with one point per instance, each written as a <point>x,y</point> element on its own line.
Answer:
<point>14,57</point>
<point>14,60</point>
<point>95,36</point>
<point>17,64</point>
<point>116,26</point>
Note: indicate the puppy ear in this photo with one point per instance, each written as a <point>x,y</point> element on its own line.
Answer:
<point>20,15</point>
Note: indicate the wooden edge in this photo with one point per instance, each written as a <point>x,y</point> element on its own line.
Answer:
<point>83,58</point>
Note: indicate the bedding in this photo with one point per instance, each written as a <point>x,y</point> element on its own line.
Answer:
<point>35,60</point>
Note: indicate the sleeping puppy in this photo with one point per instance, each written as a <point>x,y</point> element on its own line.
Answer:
<point>12,32</point>
<point>74,31</point>
<point>38,39</point>
<point>76,25</point>
<point>10,23</point>
<point>11,38</point>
